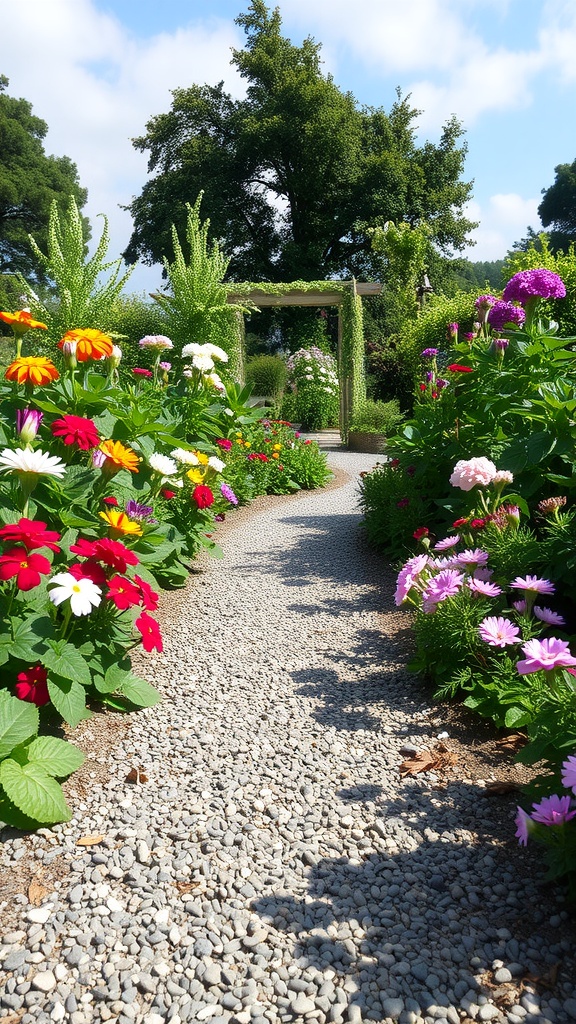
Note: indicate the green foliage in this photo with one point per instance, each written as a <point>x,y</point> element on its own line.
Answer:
<point>30,182</point>
<point>196,309</point>
<point>267,375</point>
<point>338,169</point>
<point>313,379</point>
<point>377,417</point>
<point>558,207</point>
<point>393,508</point>
<point>85,295</point>
<point>132,317</point>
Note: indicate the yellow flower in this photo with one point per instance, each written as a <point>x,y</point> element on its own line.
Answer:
<point>120,524</point>
<point>32,370</point>
<point>238,433</point>
<point>195,475</point>
<point>119,457</point>
<point>202,458</point>
<point>277,447</point>
<point>247,444</point>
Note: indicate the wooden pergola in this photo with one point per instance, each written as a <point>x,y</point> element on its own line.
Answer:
<point>324,296</point>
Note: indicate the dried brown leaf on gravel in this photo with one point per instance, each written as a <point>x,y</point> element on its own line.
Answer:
<point>514,741</point>
<point>90,840</point>
<point>429,761</point>
<point>501,788</point>
<point>36,892</point>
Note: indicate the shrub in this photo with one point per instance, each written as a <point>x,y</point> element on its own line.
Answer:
<point>267,375</point>
<point>376,417</point>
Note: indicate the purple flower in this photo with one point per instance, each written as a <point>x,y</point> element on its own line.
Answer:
<point>524,826</point>
<point>143,513</point>
<point>453,331</point>
<point>503,313</point>
<point>448,542</point>
<point>28,423</point>
<point>569,773</point>
<point>520,606</point>
<point>501,344</point>
<point>548,616</point>
<point>498,632</point>
<point>553,810</point>
<point>545,655</point>
<point>469,336</point>
<point>533,584</point>
<point>408,576</point>
<point>529,284</point>
<point>484,588</point>
<point>165,366</point>
<point>228,493</point>
<point>98,458</point>
<point>429,376</point>
<point>429,353</point>
<point>484,302</point>
<point>441,383</point>
<point>446,584</point>
<point>477,557</point>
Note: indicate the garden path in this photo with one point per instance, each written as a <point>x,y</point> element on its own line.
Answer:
<point>274,866</point>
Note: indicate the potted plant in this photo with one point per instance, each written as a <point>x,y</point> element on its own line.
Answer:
<point>370,425</point>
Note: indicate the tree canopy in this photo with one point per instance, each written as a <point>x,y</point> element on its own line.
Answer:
<point>558,207</point>
<point>296,174</point>
<point>29,183</point>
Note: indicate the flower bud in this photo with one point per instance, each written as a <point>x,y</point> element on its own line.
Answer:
<point>27,424</point>
<point>69,353</point>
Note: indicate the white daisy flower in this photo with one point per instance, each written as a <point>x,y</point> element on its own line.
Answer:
<point>25,460</point>
<point>83,593</point>
<point>186,457</point>
<point>216,463</point>
<point>162,464</point>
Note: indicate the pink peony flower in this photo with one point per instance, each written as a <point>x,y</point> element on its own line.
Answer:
<point>498,632</point>
<point>469,473</point>
<point>545,655</point>
<point>553,810</point>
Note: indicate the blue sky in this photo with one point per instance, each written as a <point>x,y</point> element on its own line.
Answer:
<point>96,70</point>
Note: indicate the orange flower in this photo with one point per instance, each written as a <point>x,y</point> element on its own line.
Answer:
<point>90,344</point>
<point>32,370</point>
<point>120,524</point>
<point>119,456</point>
<point>21,321</point>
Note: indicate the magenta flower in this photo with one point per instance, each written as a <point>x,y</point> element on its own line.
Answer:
<point>484,588</point>
<point>474,558</point>
<point>448,542</point>
<point>524,825</point>
<point>429,353</point>
<point>498,632</point>
<point>446,584</point>
<point>553,810</point>
<point>538,283</point>
<point>569,773</point>
<point>520,606</point>
<point>504,313</point>
<point>501,344</point>
<point>533,584</point>
<point>548,616</point>
<point>483,574</point>
<point>485,302</point>
<point>408,576</point>
<point>545,655</point>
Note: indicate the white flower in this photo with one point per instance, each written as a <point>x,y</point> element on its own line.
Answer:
<point>216,353</point>
<point>192,349</point>
<point>309,376</point>
<point>503,476</point>
<point>188,458</point>
<point>187,372</point>
<point>83,594</point>
<point>24,460</point>
<point>214,379</point>
<point>202,362</point>
<point>216,463</point>
<point>162,464</point>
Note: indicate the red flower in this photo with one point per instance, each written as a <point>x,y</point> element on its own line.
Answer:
<point>434,394</point>
<point>203,496</point>
<point>89,570</point>
<point>457,368</point>
<point>460,522</point>
<point>142,373</point>
<point>167,494</point>
<point>25,567</point>
<point>224,444</point>
<point>422,387</point>
<point>77,430</point>
<point>403,503</point>
<point>31,533</point>
<point>150,630</point>
<point>394,463</point>
<point>32,685</point>
<point>477,524</point>
<point>111,501</point>
<point>422,531</point>
<point>123,593</point>
<point>148,597</point>
<point>110,552</point>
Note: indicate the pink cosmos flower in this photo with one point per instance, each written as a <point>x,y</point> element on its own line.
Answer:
<point>548,616</point>
<point>483,574</point>
<point>569,773</point>
<point>446,584</point>
<point>553,810</point>
<point>524,825</point>
<point>520,606</point>
<point>477,557</point>
<point>408,577</point>
<point>498,632</point>
<point>471,472</point>
<point>448,542</point>
<point>545,655</point>
<point>533,584</point>
<point>484,588</point>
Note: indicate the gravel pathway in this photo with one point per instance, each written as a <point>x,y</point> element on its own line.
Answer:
<point>275,867</point>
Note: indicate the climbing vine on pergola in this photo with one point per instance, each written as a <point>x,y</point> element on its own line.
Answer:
<point>347,296</point>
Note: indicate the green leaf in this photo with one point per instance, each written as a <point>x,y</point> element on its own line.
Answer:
<point>18,722</point>
<point>69,699</point>
<point>66,660</point>
<point>34,792</point>
<point>139,692</point>
<point>516,717</point>
<point>57,757</point>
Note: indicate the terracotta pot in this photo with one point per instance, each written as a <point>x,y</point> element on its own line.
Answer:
<point>361,441</point>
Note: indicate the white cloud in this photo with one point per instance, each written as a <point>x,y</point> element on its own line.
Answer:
<point>503,221</point>
<point>96,86</point>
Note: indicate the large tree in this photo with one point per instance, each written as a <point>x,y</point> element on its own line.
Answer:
<point>558,207</point>
<point>29,182</point>
<point>295,174</point>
